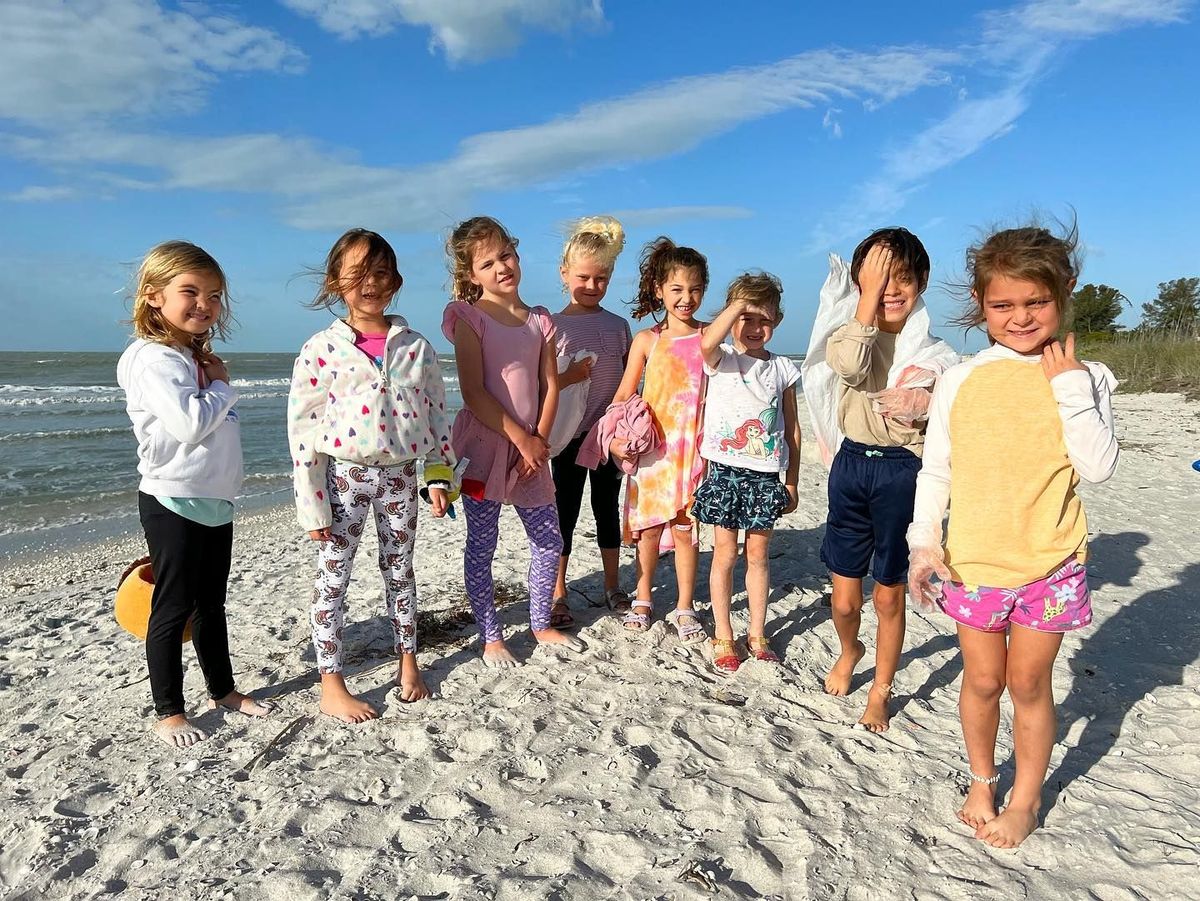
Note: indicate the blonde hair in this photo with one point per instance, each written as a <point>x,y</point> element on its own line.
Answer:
<point>760,289</point>
<point>162,263</point>
<point>599,237</point>
<point>1031,253</point>
<point>460,253</point>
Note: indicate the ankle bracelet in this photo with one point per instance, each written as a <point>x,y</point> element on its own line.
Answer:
<point>985,780</point>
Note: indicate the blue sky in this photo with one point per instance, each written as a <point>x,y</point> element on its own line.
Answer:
<point>764,135</point>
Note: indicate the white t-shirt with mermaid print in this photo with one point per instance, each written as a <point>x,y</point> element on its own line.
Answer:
<point>743,410</point>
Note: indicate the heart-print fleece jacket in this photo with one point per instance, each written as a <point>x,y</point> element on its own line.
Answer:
<point>345,406</point>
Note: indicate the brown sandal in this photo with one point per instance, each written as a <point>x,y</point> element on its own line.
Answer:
<point>560,615</point>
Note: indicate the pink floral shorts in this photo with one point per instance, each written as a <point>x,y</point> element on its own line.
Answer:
<point>1061,602</point>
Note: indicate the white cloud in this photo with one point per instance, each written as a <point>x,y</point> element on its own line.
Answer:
<point>1085,18</point>
<point>1028,39</point>
<point>462,29</point>
<point>830,122</point>
<point>121,58</point>
<point>43,194</point>
<point>323,188</point>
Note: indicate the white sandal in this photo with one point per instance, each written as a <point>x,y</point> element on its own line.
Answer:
<point>638,622</point>
<point>692,633</point>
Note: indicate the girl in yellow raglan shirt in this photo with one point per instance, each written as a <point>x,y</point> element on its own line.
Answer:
<point>1011,432</point>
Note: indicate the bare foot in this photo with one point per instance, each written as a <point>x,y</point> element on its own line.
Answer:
<point>1010,828</point>
<point>877,717</point>
<point>496,655</point>
<point>980,806</point>
<point>241,703</point>
<point>177,732</point>
<point>408,678</point>
<point>337,702</point>
<point>555,637</point>
<point>837,683</point>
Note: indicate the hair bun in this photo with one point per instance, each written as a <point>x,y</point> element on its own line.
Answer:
<point>607,227</point>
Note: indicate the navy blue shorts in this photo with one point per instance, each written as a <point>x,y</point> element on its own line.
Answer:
<point>871,495</point>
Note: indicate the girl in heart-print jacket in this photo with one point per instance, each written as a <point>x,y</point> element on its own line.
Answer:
<point>346,406</point>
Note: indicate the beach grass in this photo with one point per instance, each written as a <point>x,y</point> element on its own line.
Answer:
<point>1147,362</point>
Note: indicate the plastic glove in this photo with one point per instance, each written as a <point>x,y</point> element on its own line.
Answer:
<point>923,563</point>
<point>906,404</point>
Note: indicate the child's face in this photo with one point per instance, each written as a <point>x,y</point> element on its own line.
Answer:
<point>496,268</point>
<point>753,329</point>
<point>899,298</point>
<point>681,293</point>
<point>1020,314</point>
<point>586,280</point>
<point>367,294</point>
<point>190,302</point>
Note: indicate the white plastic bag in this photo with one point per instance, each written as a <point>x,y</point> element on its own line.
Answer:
<point>572,404</point>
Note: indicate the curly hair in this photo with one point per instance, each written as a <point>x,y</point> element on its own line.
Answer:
<point>162,263</point>
<point>659,259</point>
<point>599,237</point>
<point>1032,253</point>
<point>907,251</point>
<point>379,254</point>
<point>461,245</point>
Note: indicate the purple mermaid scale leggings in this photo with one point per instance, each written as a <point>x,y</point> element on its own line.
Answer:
<point>545,546</point>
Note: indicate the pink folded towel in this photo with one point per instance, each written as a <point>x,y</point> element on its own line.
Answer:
<point>631,420</point>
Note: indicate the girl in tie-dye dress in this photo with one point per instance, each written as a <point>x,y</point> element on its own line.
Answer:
<point>659,495</point>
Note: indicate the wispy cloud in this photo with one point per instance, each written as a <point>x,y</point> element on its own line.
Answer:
<point>1028,38</point>
<point>324,188</point>
<point>67,62</point>
<point>462,29</point>
<point>43,194</point>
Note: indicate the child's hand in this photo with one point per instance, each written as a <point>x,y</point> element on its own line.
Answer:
<point>1056,359</point>
<point>214,369</point>
<point>534,450</point>
<point>617,449</point>
<point>876,271</point>
<point>439,500</point>
<point>910,404</point>
<point>576,372</point>
<point>923,564</point>
<point>793,498</point>
<point>321,534</point>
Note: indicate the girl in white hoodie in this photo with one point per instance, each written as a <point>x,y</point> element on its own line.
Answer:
<point>190,456</point>
<point>366,404</point>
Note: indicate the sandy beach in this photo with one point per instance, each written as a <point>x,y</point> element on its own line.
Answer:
<point>629,771</point>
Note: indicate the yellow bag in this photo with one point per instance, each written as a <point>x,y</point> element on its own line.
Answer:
<point>132,607</point>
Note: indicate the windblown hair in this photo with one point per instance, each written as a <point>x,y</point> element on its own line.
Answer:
<point>761,289</point>
<point>1033,253</point>
<point>461,246</point>
<point>162,263</point>
<point>600,238</point>
<point>907,251</point>
<point>659,259</point>
<point>379,254</point>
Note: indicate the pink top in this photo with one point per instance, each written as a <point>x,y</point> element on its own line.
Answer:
<point>372,345</point>
<point>512,356</point>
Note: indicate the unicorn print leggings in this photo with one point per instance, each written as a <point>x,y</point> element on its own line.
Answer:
<point>354,489</point>
<point>545,545</point>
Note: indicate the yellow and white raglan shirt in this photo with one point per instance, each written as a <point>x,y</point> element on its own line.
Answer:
<point>1004,450</point>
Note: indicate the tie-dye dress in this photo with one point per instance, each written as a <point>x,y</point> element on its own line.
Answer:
<point>666,478</point>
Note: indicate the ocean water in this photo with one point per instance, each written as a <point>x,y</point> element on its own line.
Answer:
<point>68,459</point>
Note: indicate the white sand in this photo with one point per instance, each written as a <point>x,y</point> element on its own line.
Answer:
<point>632,771</point>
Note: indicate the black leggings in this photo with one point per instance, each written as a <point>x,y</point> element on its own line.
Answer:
<point>191,567</point>
<point>569,477</point>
